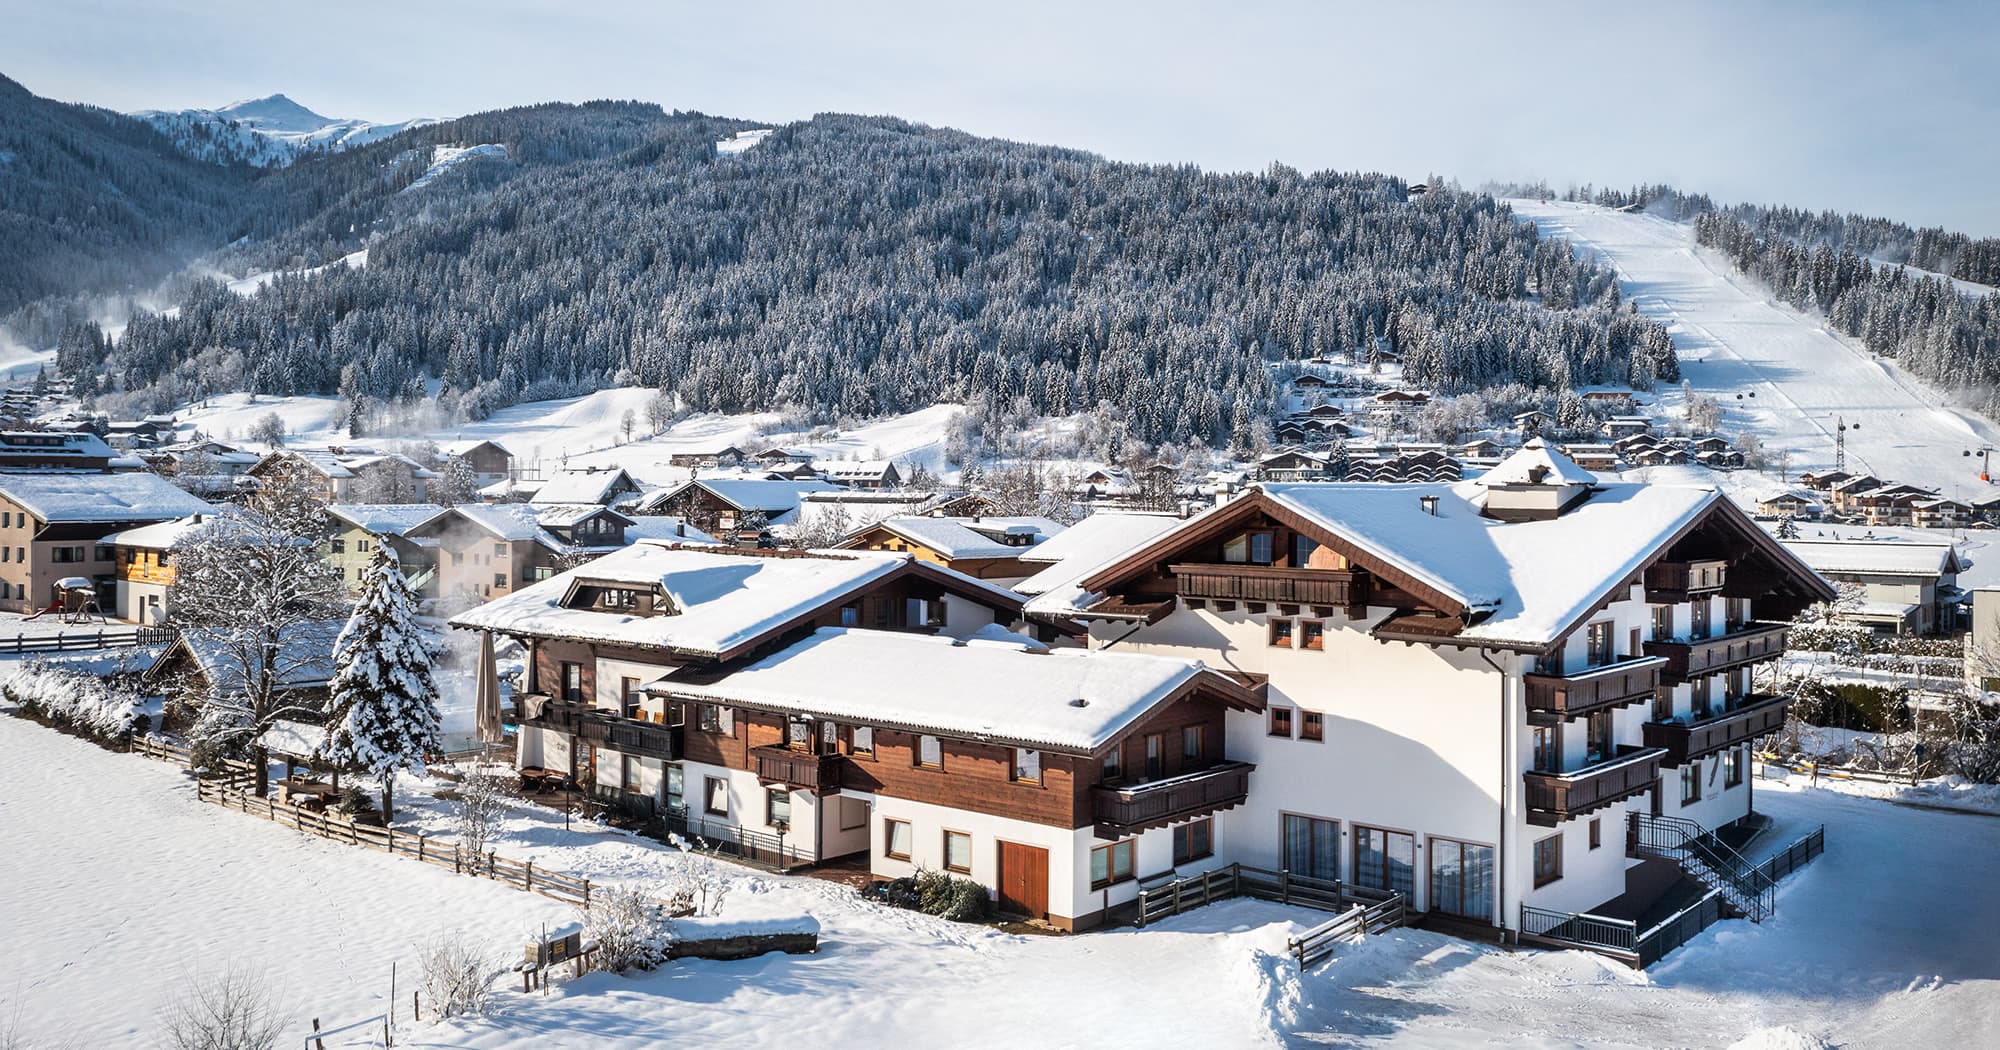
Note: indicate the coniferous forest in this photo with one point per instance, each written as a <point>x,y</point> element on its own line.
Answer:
<point>845,266</point>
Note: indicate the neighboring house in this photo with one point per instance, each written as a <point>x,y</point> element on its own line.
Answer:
<point>1939,513</point>
<point>1822,480</point>
<point>1107,483</point>
<point>603,639</point>
<point>1613,398</point>
<point>723,457</point>
<point>1792,504</point>
<point>1889,504</point>
<point>484,551</point>
<point>333,471</point>
<point>1405,467</point>
<point>1626,426</point>
<point>1843,494</point>
<point>1401,400</point>
<point>139,433</point>
<point>599,486</point>
<point>356,529</point>
<point>215,661</point>
<point>1565,665</point>
<point>779,457</point>
<point>1293,465</point>
<point>1481,448</point>
<point>1722,459</point>
<point>870,475</point>
<point>1081,549</point>
<point>1982,645</point>
<point>1905,588</point>
<point>1595,457</point>
<point>726,506</point>
<point>1308,381</point>
<point>54,450</point>
<point>53,527</point>
<point>490,461</point>
<point>1531,422</point>
<point>145,570</point>
<point>983,548</point>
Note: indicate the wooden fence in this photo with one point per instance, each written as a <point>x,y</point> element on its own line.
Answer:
<point>1159,900</point>
<point>1769,761</point>
<point>228,792</point>
<point>1362,919</point>
<point>80,640</point>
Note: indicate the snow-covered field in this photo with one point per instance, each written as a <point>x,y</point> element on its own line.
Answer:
<point>1735,338</point>
<point>119,882</point>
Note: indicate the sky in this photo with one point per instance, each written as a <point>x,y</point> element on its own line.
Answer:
<point>1883,108</point>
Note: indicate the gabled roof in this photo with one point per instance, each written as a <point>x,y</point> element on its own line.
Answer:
<point>513,522</point>
<point>878,468</point>
<point>727,599</point>
<point>133,497</point>
<point>563,516</point>
<point>584,486</point>
<point>305,656</point>
<point>666,528</point>
<point>969,538</point>
<point>1082,549</point>
<point>466,445</point>
<point>1877,557</point>
<point>1506,584</point>
<point>163,535</point>
<point>775,498</point>
<point>385,519</point>
<point>995,686</point>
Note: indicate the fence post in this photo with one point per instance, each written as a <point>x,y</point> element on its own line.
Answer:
<point>528,875</point>
<point>420,845</point>
<point>586,895</point>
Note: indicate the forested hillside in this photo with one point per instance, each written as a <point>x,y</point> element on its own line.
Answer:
<point>852,266</point>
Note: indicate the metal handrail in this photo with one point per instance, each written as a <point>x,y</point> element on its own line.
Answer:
<point>1680,840</point>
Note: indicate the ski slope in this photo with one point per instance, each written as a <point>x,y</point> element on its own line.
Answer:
<point>1735,339</point>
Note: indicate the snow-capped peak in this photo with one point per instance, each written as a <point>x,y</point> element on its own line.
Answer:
<point>269,132</point>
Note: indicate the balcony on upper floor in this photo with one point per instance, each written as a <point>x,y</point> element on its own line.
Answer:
<point>1556,797</point>
<point>1748,644</point>
<point>628,736</point>
<point>1752,717</point>
<point>1346,588</point>
<point>798,770</point>
<point>1673,582</point>
<point>1553,698</point>
<point>1124,809</point>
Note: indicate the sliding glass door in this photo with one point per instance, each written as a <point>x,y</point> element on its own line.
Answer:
<point>1312,847</point>
<point>1385,860</point>
<point>1462,879</point>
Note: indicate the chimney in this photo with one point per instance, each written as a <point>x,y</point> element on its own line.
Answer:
<point>1537,472</point>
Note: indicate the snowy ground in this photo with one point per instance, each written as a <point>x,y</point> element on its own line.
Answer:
<point>1881,942</point>
<point>1734,338</point>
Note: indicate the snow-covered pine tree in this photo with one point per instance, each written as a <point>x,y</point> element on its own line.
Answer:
<point>457,483</point>
<point>383,695</point>
<point>1788,528</point>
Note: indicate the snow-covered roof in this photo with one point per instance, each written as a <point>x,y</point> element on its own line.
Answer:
<point>464,445</point>
<point>775,498</point>
<point>514,522</point>
<point>305,655</point>
<point>163,535</point>
<point>1879,610</point>
<point>76,444</point>
<point>984,688</point>
<point>722,597</point>
<point>857,469</point>
<point>1535,463</point>
<point>971,537</point>
<point>297,739</point>
<point>563,515</point>
<point>665,527</point>
<point>1876,558</point>
<point>133,497</point>
<point>1083,549</point>
<point>385,519</point>
<point>583,486</point>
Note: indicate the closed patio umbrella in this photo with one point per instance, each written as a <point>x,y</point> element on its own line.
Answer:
<point>488,683</point>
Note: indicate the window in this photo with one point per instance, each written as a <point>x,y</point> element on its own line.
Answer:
<point>1462,879</point>
<point>572,683</point>
<point>957,851</point>
<point>1250,548</point>
<point>628,774</point>
<point>1313,635</point>
<point>1385,860</point>
<point>1548,859</point>
<point>457,557</point>
<point>896,839</point>
<point>1156,756</point>
<point>499,579</point>
<point>1027,766</point>
<point>717,796</point>
<point>1191,745</point>
<point>778,807</point>
<point>863,741</point>
<point>850,616</point>
<point>1548,750</point>
<point>1281,633</point>
<point>1596,832</point>
<point>362,546</point>
<point>338,546</point>
<point>829,738</point>
<point>628,692</point>
<point>1114,764</point>
<point>1302,550</point>
<point>1597,644</point>
<point>499,550</point>
<point>708,718</point>
<point>1312,725</point>
<point>1663,704</point>
<point>1698,618</point>
<point>1312,847</point>
<point>1699,698</point>
<point>1691,783</point>
<point>1663,623</point>
<point>798,735</point>
<point>1597,741</point>
<point>676,789</point>
<point>918,612</point>
<point>1281,721</point>
<point>930,752</point>
<point>1732,767</point>
<point>1194,840</point>
<point>1110,864</point>
<point>67,555</point>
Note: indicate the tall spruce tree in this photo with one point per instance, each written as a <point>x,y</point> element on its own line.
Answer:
<point>383,694</point>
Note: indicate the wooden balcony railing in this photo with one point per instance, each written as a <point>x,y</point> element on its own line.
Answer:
<point>1120,810</point>
<point>1746,645</point>
<point>798,770</point>
<point>1264,583</point>
<point>1553,698</point>
<point>1671,582</point>
<point>1556,797</point>
<point>1756,716</point>
<point>627,736</point>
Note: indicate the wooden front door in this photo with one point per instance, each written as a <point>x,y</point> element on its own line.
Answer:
<point>1024,880</point>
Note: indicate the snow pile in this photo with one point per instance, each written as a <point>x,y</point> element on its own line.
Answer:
<point>714,928</point>
<point>75,698</point>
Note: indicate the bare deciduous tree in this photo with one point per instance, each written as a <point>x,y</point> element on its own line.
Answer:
<point>230,1010</point>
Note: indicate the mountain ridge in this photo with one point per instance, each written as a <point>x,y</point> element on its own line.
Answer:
<point>271,131</point>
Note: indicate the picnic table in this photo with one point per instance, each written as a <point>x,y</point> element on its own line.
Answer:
<point>535,778</point>
<point>304,793</point>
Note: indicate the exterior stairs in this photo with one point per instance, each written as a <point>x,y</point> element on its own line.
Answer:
<point>1707,859</point>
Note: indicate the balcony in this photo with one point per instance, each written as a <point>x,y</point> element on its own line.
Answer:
<point>601,728</point>
<point>1673,582</point>
<point>1755,717</point>
<point>1347,588</point>
<point>1123,809</point>
<point>798,770</point>
<point>1554,698</point>
<point>1556,797</point>
<point>1746,645</point>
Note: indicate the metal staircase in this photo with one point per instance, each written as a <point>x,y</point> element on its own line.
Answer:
<point>1708,859</point>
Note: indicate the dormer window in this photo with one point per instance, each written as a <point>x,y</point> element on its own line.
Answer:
<point>619,598</point>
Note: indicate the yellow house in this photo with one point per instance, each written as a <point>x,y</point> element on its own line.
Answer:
<point>358,529</point>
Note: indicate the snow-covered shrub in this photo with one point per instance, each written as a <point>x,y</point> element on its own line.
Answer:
<point>697,885</point>
<point>457,976</point>
<point>950,897</point>
<point>481,803</point>
<point>76,699</point>
<point>231,1010</point>
<point>631,930</point>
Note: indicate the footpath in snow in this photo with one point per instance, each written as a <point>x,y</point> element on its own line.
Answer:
<point>1735,338</point>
